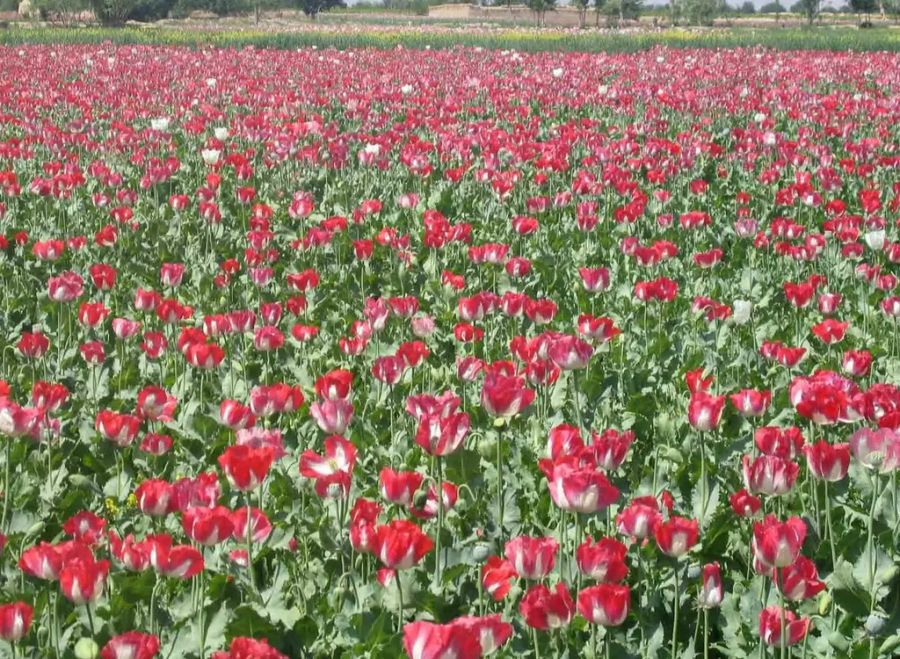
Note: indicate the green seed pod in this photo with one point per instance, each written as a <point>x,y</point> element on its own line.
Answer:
<point>87,648</point>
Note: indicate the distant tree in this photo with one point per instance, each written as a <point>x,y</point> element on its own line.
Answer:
<point>598,8</point>
<point>312,8</point>
<point>893,8</point>
<point>582,7</point>
<point>675,11</point>
<point>259,5</point>
<point>809,8</point>
<point>863,7</point>
<point>747,8</point>
<point>701,12</point>
<point>774,7</point>
<point>618,11</point>
<point>540,9</point>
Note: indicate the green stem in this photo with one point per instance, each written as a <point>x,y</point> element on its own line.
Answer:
<point>783,630</point>
<point>829,527</point>
<point>675,616</point>
<point>500,483</point>
<point>537,646</point>
<point>763,596</point>
<point>575,399</point>
<point>705,633</point>
<point>250,546</point>
<point>871,549</point>
<point>440,522</point>
<point>90,620</point>
<point>201,623</point>
<point>400,603</point>
<point>8,443</point>
<point>639,581</point>
<point>55,620</point>
<point>575,542</point>
<point>703,494</point>
<point>152,622</point>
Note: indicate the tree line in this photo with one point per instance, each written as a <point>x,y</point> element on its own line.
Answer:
<point>611,12</point>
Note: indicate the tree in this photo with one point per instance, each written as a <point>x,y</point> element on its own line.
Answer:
<point>674,11</point>
<point>312,8</point>
<point>893,8</point>
<point>621,10</point>
<point>774,7</point>
<point>540,8</point>
<point>747,8</point>
<point>598,8</point>
<point>701,12</point>
<point>809,8</point>
<point>863,7</point>
<point>582,7</point>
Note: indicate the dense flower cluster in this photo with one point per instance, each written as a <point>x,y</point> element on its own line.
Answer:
<point>357,353</point>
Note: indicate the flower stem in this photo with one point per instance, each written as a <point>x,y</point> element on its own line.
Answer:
<point>705,633</point>
<point>90,620</point>
<point>55,621</point>
<point>8,443</point>
<point>500,483</point>
<point>675,617</point>
<point>783,629</point>
<point>703,493</point>
<point>440,523</point>
<point>830,528</point>
<point>871,549</point>
<point>250,546</point>
<point>400,603</point>
<point>575,544</point>
<point>152,622</point>
<point>201,623</point>
<point>575,399</point>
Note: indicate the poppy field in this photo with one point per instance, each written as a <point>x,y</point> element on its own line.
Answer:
<point>448,353</point>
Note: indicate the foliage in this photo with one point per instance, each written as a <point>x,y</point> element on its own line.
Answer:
<point>151,10</point>
<point>313,7</point>
<point>774,7</point>
<point>700,12</point>
<point>863,6</point>
<point>65,12</point>
<point>809,8</point>
<point>540,8</point>
<point>623,9</point>
<point>113,12</point>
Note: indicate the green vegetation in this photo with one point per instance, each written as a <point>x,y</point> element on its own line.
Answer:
<point>803,39</point>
